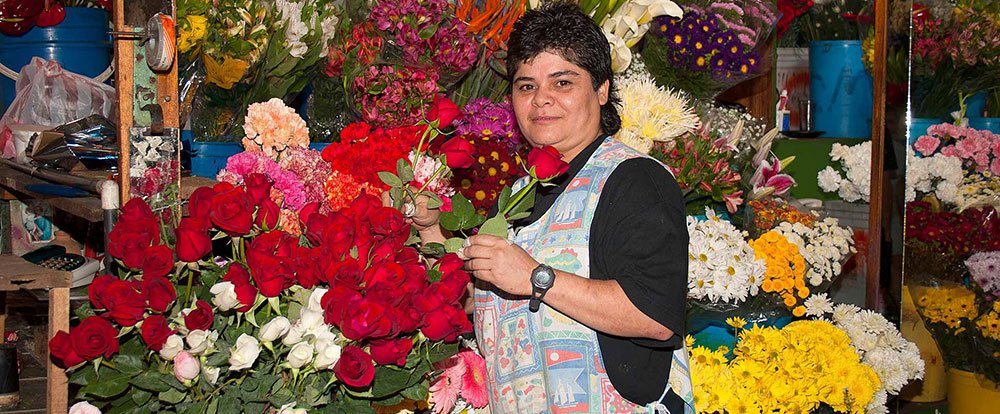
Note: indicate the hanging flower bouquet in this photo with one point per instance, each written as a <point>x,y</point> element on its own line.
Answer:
<point>341,318</point>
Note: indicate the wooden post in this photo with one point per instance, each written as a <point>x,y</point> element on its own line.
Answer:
<point>874,265</point>
<point>57,386</point>
<point>124,85</point>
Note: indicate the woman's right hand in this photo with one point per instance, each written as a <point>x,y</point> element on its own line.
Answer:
<point>425,220</point>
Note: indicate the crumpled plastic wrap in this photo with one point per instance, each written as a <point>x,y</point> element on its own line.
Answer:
<point>91,142</point>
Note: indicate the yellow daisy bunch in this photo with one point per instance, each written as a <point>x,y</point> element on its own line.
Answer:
<point>989,324</point>
<point>948,305</point>
<point>786,270</point>
<point>790,370</point>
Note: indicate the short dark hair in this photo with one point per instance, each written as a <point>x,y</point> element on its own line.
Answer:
<point>563,29</point>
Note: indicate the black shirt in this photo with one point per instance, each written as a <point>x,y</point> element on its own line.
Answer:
<point>639,238</point>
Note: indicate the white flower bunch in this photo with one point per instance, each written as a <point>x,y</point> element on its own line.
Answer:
<point>721,265</point>
<point>939,175</point>
<point>880,346</point>
<point>311,340</point>
<point>651,113</point>
<point>855,183</point>
<point>824,246</point>
<point>298,30</point>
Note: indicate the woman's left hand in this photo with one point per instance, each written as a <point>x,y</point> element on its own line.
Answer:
<point>500,262</point>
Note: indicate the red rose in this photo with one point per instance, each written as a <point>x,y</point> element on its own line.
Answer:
<point>391,351</point>
<point>270,274</point>
<point>309,267</point>
<point>136,210</point>
<point>336,301</point>
<point>367,319</point>
<point>258,187</point>
<point>428,302</point>
<point>385,273</point>
<point>125,302</point>
<point>200,318</point>
<point>236,274</point>
<point>62,350</point>
<point>546,163</point>
<point>160,292</point>
<point>267,215</point>
<point>444,111</point>
<point>335,233</point>
<point>246,293</point>
<point>98,288</point>
<point>387,221</point>
<point>363,205</point>
<point>459,153</point>
<point>408,255</point>
<point>445,324</point>
<point>94,337</point>
<point>307,210</point>
<point>449,262</point>
<point>155,332</point>
<point>193,242</point>
<point>232,212</point>
<point>128,241</point>
<point>355,367</point>
<point>346,274</point>
<point>223,187</point>
<point>200,202</point>
<point>157,261</point>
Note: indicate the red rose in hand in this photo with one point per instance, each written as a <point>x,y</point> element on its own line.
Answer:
<point>61,348</point>
<point>94,337</point>
<point>267,215</point>
<point>459,153</point>
<point>155,332</point>
<point>232,212</point>
<point>98,288</point>
<point>444,111</point>
<point>193,242</point>
<point>546,163</point>
<point>125,302</point>
<point>445,324</point>
<point>258,187</point>
<point>200,318</point>
<point>157,261</point>
<point>391,351</point>
<point>160,292</point>
<point>200,202</point>
<point>51,17</point>
<point>355,367</point>
<point>367,319</point>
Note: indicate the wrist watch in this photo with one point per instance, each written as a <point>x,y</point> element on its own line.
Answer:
<point>542,279</point>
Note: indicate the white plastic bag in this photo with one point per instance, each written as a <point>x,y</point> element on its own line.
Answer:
<point>48,96</point>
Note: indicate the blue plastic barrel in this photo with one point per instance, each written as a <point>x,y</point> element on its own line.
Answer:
<point>80,44</point>
<point>840,89</point>
<point>975,105</point>
<point>208,158</point>
<point>988,124</point>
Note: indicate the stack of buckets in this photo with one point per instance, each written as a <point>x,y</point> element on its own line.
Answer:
<point>80,43</point>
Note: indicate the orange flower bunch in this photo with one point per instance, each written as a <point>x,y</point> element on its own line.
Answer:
<point>492,19</point>
<point>786,270</point>
<point>769,212</point>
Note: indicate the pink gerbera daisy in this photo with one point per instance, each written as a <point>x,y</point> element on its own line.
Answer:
<point>474,381</point>
<point>446,387</point>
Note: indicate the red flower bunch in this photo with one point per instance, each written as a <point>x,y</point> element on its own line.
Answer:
<point>493,168</point>
<point>364,151</point>
<point>959,234</point>
<point>362,46</point>
<point>19,16</point>
<point>703,169</point>
<point>790,9</point>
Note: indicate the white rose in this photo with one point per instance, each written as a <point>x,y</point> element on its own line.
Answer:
<point>84,407</point>
<point>199,341</point>
<point>327,354</point>
<point>171,347</point>
<point>245,353</point>
<point>294,335</point>
<point>310,319</point>
<point>211,374</point>
<point>225,296</point>
<point>290,409</point>
<point>316,299</point>
<point>274,329</point>
<point>300,355</point>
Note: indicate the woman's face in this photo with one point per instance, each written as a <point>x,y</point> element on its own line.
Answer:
<point>556,104</point>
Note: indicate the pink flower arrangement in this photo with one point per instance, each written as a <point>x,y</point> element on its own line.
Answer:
<point>978,149</point>
<point>407,22</point>
<point>984,267</point>
<point>463,375</point>
<point>394,96</point>
<point>271,127</point>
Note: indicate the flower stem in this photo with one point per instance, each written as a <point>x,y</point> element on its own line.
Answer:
<point>433,177</point>
<point>519,196</point>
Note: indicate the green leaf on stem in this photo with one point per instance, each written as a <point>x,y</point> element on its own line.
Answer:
<point>503,198</point>
<point>433,249</point>
<point>495,226</point>
<point>229,404</point>
<point>140,397</point>
<point>441,351</point>
<point>453,244</point>
<point>84,311</point>
<point>524,204</point>
<point>390,179</point>
<point>110,383</point>
<point>404,170</point>
<point>434,200</point>
<point>518,216</point>
<point>417,392</point>
<point>172,396</point>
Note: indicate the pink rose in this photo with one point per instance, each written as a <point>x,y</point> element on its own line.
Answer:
<point>186,367</point>
<point>926,145</point>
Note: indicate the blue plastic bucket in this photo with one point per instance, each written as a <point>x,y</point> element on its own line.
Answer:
<point>208,158</point>
<point>712,332</point>
<point>988,124</point>
<point>81,44</point>
<point>975,106</point>
<point>840,89</point>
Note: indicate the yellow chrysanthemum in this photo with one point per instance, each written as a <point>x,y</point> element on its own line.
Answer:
<point>650,113</point>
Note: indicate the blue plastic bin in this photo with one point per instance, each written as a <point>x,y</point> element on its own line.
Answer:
<point>81,44</point>
<point>208,158</point>
<point>989,124</point>
<point>840,89</point>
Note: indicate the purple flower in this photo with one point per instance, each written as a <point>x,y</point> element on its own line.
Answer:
<point>984,267</point>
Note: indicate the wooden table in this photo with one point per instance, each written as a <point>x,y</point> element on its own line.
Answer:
<point>16,274</point>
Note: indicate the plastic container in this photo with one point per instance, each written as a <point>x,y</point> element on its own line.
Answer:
<point>970,393</point>
<point>989,124</point>
<point>80,44</point>
<point>207,158</point>
<point>840,89</point>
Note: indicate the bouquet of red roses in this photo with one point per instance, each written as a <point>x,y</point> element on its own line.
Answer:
<point>229,313</point>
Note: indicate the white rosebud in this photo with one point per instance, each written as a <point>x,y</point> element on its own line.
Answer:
<point>290,409</point>
<point>294,335</point>
<point>225,296</point>
<point>300,355</point>
<point>199,341</point>
<point>171,347</point>
<point>309,319</point>
<point>245,353</point>
<point>84,407</point>
<point>211,374</point>
<point>327,354</point>
<point>316,299</point>
<point>274,329</point>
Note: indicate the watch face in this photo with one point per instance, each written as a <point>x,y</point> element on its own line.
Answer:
<point>542,277</point>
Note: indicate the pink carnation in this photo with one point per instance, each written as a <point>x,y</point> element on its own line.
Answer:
<point>926,144</point>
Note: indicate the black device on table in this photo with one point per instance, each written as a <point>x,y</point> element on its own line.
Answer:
<point>55,257</point>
